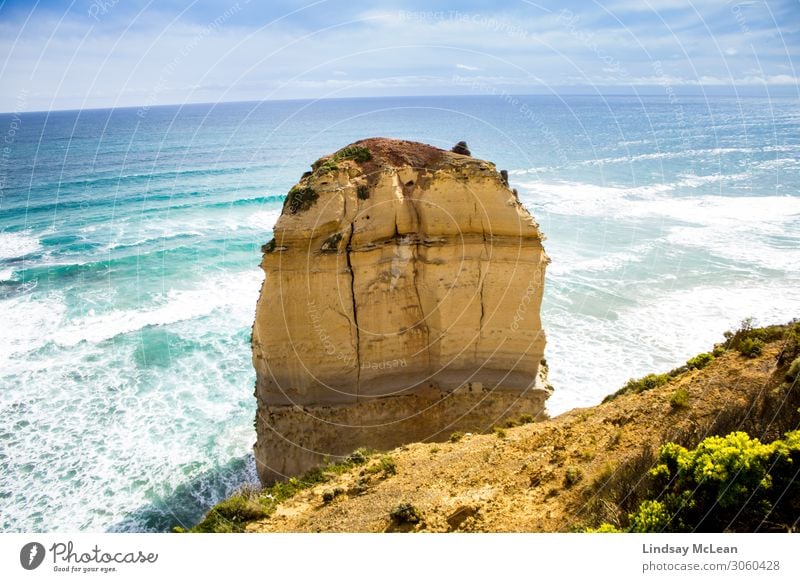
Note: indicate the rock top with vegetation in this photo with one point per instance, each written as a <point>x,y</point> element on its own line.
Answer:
<point>401,303</point>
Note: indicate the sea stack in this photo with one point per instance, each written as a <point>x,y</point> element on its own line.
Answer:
<point>401,304</point>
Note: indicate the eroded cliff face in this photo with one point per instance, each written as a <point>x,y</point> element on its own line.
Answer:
<point>401,303</point>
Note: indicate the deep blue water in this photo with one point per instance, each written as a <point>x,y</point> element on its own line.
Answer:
<point>130,242</point>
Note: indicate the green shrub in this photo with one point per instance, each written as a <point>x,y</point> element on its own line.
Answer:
<point>456,436</point>
<point>604,528</point>
<point>749,340</point>
<point>718,351</point>
<point>652,516</point>
<point>792,338</point>
<point>675,372</point>
<point>386,465</point>
<point>353,152</point>
<point>230,515</point>
<point>726,483</point>
<point>328,166</point>
<point>526,419</point>
<point>648,382</point>
<point>572,476</point>
<point>635,386</point>
<point>356,153</point>
<point>404,513</point>
<point>330,495</point>
<point>300,198</point>
<point>250,504</point>
<point>750,347</point>
<point>358,457</point>
<point>359,487</point>
<point>500,432</point>
<point>700,361</point>
<point>679,398</point>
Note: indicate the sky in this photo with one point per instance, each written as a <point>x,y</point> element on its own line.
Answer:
<point>114,53</point>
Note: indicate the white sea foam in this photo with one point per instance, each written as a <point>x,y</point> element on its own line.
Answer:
<point>14,245</point>
<point>584,199</point>
<point>743,243</point>
<point>604,264</point>
<point>736,228</point>
<point>90,425</point>
<point>178,305</point>
<point>532,171</point>
<point>781,148</point>
<point>133,231</point>
<point>137,242</point>
<point>30,322</point>
<point>672,154</point>
<point>633,158</point>
<point>661,332</point>
<point>695,181</point>
<point>26,325</point>
<point>91,420</point>
<point>263,219</point>
<point>762,212</point>
<point>668,321</point>
<point>6,274</point>
<point>777,164</point>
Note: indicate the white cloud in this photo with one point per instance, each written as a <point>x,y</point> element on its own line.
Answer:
<point>167,61</point>
<point>782,80</point>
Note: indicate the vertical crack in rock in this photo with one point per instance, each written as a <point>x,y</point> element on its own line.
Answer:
<point>482,272</point>
<point>347,251</point>
<point>422,324</point>
<point>483,266</point>
<point>420,238</point>
<point>414,243</point>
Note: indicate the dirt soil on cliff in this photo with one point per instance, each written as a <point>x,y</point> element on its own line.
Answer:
<point>559,475</point>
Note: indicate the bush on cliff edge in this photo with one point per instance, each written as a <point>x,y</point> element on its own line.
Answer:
<point>726,483</point>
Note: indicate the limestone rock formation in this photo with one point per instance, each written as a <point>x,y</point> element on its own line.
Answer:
<point>401,303</point>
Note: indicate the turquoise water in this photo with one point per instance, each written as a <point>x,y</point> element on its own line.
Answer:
<point>130,242</point>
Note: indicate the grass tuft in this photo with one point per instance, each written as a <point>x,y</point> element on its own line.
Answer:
<point>404,513</point>
<point>252,504</point>
<point>456,436</point>
<point>679,398</point>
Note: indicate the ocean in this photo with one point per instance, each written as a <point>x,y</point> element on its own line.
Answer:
<point>130,243</point>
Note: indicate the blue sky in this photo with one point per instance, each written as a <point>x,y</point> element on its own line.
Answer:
<point>104,53</point>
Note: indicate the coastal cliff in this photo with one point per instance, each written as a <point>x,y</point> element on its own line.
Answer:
<point>604,468</point>
<point>401,303</point>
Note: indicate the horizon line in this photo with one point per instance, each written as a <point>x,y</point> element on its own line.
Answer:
<point>727,91</point>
